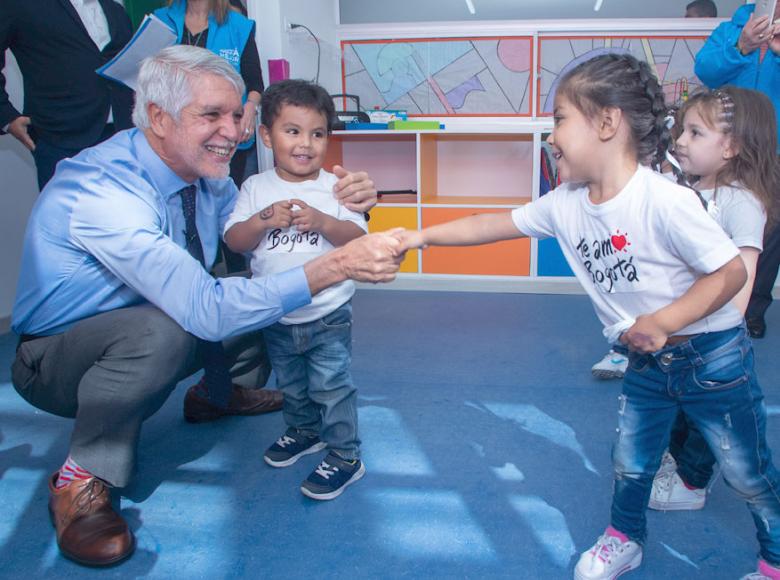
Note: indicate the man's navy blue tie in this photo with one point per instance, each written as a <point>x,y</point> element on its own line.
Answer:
<point>212,354</point>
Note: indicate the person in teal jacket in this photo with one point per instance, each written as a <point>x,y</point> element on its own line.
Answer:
<point>732,55</point>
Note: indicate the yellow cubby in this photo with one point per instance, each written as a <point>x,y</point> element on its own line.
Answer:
<point>385,218</point>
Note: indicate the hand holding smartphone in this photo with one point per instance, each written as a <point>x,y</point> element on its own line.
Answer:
<point>765,8</point>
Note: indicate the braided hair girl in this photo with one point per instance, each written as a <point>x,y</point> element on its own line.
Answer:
<point>661,274</point>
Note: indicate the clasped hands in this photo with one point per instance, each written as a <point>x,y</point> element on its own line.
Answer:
<point>377,257</point>
<point>292,213</point>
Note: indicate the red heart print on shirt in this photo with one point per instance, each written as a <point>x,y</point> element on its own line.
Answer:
<point>619,242</point>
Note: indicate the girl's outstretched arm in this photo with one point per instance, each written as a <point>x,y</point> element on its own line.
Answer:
<point>472,230</point>
<point>468,231</point>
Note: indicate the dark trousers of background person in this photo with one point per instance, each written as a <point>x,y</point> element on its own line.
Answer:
<point>111,372</point>
<point>695,461</point>
<point>242,166</point>
<point>47,155</point>
<point>766,275</point>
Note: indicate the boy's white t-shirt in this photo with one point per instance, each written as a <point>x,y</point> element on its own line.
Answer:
<point>283,249</point>
<point>637,252</point>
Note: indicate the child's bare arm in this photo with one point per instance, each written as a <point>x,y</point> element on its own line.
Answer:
<point>750,257</point>
<point>472,231</point>
<point>244,236</point>
<point>705,296</point>
<point>337,232</point>
<point>468,231</point>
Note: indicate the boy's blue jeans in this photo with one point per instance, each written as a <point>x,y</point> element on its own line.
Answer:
<point>711,378</point>
<point>312,361</point>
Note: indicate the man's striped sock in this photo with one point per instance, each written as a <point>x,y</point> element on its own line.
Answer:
<point>71,471</point>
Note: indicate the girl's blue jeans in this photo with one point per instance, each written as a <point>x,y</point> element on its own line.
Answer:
<point>312,365</point>
<point>712,380</point>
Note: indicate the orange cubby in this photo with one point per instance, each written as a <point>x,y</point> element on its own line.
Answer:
<point>506,258</point>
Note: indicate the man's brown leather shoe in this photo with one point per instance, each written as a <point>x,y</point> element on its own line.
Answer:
<point>89,531</point>
<point>243,401</point>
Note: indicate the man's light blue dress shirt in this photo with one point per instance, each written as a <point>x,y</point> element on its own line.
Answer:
<point>108,232</point>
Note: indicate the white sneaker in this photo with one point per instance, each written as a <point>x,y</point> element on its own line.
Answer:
<point>671,494</point>
<point>668,464</point>
<point>608,558</point>
<point>612,366</point>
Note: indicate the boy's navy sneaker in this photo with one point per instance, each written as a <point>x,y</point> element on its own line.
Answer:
<point>290,447</point>
<point>332,476</point>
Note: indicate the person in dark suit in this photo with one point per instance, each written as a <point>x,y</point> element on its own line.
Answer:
<point>67,105</point>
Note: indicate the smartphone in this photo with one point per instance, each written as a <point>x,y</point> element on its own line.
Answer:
<point>765,8</point>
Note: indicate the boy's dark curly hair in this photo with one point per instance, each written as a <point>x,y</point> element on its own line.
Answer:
<point>299,93</point>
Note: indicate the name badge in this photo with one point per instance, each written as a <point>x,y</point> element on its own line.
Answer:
<point>231,55</point>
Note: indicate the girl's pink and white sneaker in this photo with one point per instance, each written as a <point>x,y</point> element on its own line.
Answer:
<point>765,572</point>
<point>613,554</point>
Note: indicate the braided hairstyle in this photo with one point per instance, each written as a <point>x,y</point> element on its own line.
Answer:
<point>624,82</point>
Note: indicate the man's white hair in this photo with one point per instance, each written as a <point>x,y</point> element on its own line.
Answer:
<point>166,79</point>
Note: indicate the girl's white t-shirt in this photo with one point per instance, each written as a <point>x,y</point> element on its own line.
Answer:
<point>283,249</point>
<point>739,213</point>
<point>637,252</point>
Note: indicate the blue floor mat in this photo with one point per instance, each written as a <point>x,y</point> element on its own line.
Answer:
<point>486,440</point>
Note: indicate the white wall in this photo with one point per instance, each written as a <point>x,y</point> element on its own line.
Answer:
<point>18,191</point>
<point>374,11</point>
<point>297,46</point>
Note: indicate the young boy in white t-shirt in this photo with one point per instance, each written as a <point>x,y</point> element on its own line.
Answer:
<point>287,216</point>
